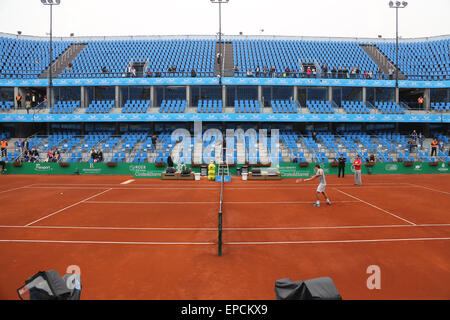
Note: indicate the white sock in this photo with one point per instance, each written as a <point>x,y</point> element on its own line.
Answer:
<point>317,202</point>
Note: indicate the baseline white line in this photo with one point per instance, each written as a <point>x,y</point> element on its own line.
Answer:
<point>68,207</point>
<point>128,181</point>
<point>331,241</point>
<point>108,242</point>
<point>227,228</point>
<point>18,188</point>
<point>374,206</point>
<point>417,185</point>
<point>121,188</point>
<point>213,202</point>
<point>212,243</point>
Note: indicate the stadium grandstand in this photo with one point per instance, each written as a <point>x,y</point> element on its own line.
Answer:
<point>130,89</point>
<point>215,166</point>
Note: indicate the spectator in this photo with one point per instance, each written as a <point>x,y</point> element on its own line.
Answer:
<point>257,71</point>
<point>99,155</point>
<point>295,160</point>
<point>93,155</point>
<point>133,72</point>
<point>219,58</point>
<point>372,158</point>
<point>265,71</point>
<point>420,138</point>
<point>56,156</point>
<point>236,68</point>
<point>19,101</point>
<point>391,73</point>
<point>434,145</point>
<point>3,163</point>
<point>358,73</point>
<point>4,147</point>
<point>158,74</point>
<point>341,166</point>
<point>148,74</point>
<point>369,75</point>
<point>340,73</point>
<point>25,144</point>
<point>169,161</point>
<point>50,156</point>
<point>333,72</point>
<point>273,71</point>
<point>308,72</point>
<point>357,166</point>
<point>154,140</point>
<point>324,70</point>
<point>193,73</point>
<point>353,73</point>
<point>128,70</point>
<point>414,135</point>
<point>249,73</point>
<point>441,145</point>
<point>34,155</point>
<point>19,145</point>
<point>104,70</point>
<point>69,67</point>
<point>287,71</point>
<point>346,74</point>
<point>33,100</point>
<point>27,101</point>
<point>420,101</point>
<point>314,136</point>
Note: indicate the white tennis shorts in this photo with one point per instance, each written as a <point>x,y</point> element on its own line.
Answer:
<point>321,187</point>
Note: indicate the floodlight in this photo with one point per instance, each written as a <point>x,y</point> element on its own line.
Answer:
<point>405,3</point>
<point>391,4</point>
<point>398,3</point>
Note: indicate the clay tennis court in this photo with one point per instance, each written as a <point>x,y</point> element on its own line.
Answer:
<point>153,239</point>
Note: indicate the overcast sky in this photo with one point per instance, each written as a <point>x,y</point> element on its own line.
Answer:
<point>329,18</point>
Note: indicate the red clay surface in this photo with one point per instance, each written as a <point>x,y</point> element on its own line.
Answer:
<point>153,239</point>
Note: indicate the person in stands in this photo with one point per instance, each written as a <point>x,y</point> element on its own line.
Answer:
<point>4,147</point>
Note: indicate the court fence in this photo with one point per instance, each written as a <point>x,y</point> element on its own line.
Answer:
<point>287,170</point>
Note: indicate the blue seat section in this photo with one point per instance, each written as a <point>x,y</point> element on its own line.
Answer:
<point>6,105</point>
<point>173,106</point>
<point>136,106</point>
<point>209,106</point>
<point>426,58</point>
<point>27,59</point>
<point>357,107</point>
<point>250,54</point>
<point>441,106</point>
<point>247,106</point>
<point>65,107</point>
<point>389,107</point>
<point>283,106</point>
<point>100,106</point>
<point>319,106</point>
<point>159,55</point>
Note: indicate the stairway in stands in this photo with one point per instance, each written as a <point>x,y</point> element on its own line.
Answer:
<point>227,59</point>
<point>383,62</point>
<point>63,60</point>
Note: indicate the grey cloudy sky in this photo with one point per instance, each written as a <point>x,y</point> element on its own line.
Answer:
<point>330,18</point>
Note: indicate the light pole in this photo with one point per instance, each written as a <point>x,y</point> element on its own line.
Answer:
<point>396,5</point>
<point>220,38</point>
<point>50,3</point>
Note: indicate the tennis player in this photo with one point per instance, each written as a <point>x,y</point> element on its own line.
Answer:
<point>322,184</point>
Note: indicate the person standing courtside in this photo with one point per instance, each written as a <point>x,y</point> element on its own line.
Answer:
<point>357,166</point>
<point>341,166</point>
<point>4,147</point>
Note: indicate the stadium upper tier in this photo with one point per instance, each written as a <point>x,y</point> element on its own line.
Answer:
<point>28,57</point>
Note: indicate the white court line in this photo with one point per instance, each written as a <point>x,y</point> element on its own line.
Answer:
<point>417,185</point>
<point>331,241</point>
<point>213,202</point>
<point>128,181</point>
<point>109,242</point>
<point>229,228</point>
<point>14,189</point>
<point>68,207</point>
<point>212,243</point>
<point>374,206</point>
<point>121,188</point>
